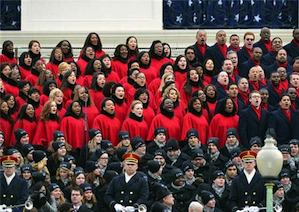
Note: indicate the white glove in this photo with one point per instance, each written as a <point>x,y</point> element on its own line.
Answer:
<point>254,209</point>
<point>119,208</point>
<point>4,208</point>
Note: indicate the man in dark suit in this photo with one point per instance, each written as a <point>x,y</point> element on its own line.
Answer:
<point>253,121</point>
<point>76,199</point>
<point>234,43</point>
<point>293,47</point>
<point>281,61</point>
<point>200,46</point>
<point>275,89</point>
<point>248,188</point>
<point>218,51</point>
<point>246,52</point>
<point>221,85</point>
<point>251,62</point>
<point>128,188</point>
<point>283,121</point>
<point>264,43</point>
<point>14,189</point>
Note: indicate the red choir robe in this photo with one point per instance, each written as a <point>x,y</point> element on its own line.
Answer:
<point>29,127</point>
<point>108,126</point>
<point>97,97</point>
<point>150,74</point>
<point>44,132</point>
<point>120,68</point>
<point>5,59</point>
<point>200,123</point>
<point>220,124</point>
<point>135,127</point>
<point>121,111</point>
<point>92,112</point>
<point>73,130</point>
<point>6,128</point>
<point>53,68</point>
<point>24,72</point>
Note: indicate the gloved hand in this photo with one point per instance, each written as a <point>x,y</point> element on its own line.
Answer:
<point>119,208</point>
<point>4,208</point>
<point>254,209</point>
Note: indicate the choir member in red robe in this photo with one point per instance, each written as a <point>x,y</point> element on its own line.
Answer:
<point>56,58</point>
<point>110,74</point>
<point>166,119</point>
<point>77,70</point>
<point>56,95</point>
<point>88,107</point>
<point>34,50</point>
<point>26,120</point>
<point>195,119</point>
<point>208,70</point>
<point>12,82</point>
<point>12,105</point>
<point>225,119</point>
<point>48,87</point>
<point>211,95</point>
<point>7,55</point>
<point>33,99</point>
<point>36,69</point>
<point>181,67</point>
<point>157,54</point>
<point>88,53</point>
<point>24,87</point>
<point>120,60</point>
<point>121,107</point>
<point>93,66</point>
<point>67,50</point>
<point>5,123</point>
<point>135,124</point>
<point>44,76</point>
<point>97,84</point>
<point>5,70</point>
<point>48,123</point>
<point>93,40</point>
<point>73,125</point>
<point>25,64</point>
<point>68,85</point>
<point>150,72</point>
<point>132,44</point>
<point>107,123</point>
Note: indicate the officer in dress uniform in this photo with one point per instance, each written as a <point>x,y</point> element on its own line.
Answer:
<point>247,189</point>
<point>14,189</point>
<point>128,188</point>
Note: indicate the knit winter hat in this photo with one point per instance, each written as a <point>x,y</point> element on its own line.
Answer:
<point>137,142</point>
<point>213,140</point>
<point>57,134</point>
<point>26,149</point>
<point>91,166</point>
<point>206,197</point>
<point>160,130</point>
<point>19,133</point>
<point>153,166</point>
<point>192,132</point>
<point>93,132</point>
<point>122,135</point>
<point>231,131</point>
<point>53,186</point>
<point>38,155</point>
<point>172,144</point>
<point>57,144</point>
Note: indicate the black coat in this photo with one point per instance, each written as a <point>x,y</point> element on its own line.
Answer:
<point>152,147</point>
<point>292,49</point>
<point>15,193</point>
<point>83,208</point>
<point>199,56</point>
<point>270,58</point>
<point>250,126</point>
<point>262,46</point>
<point>179,162</point>
<point>221,202</point>
<point>273,67</point>
<point>283,128</point>
<point>216,55</point>
<point>127,194</point>
<point>243,56</point>
<point>243,194</point>
<point>273,96</point>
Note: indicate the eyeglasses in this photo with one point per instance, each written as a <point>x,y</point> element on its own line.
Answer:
<point>249,39</point>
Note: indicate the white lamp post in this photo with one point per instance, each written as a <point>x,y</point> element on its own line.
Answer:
<point>269,162</point>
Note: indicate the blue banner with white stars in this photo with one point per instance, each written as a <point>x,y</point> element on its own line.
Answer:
<point>230,14</point>
<point>10,14</point>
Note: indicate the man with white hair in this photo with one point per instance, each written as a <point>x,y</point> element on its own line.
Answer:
<point>195,207</point>
<point>221,85</point>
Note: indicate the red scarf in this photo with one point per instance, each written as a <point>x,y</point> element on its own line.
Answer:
<point>202,48</point>
<point>255,85</point>
<point>257,63</point>
<point>278,89</point>
<point>263,82</point>
<point>297,43</point>
<point>284,84</point>
<point>268,45</point>
<point>224,87</point>
<point>236,103</point>
<point>244,96</point>
<point>285,64</point>
<point>264,106</point>
<point>293,105</point>
<point>258,112</point>
<point>249,51</point>
<point>234,49</point>
<point>233,78</point>
<point>287,113</point>
<point>223,50</point>
<point>236,71</point>
<point>297,71</point>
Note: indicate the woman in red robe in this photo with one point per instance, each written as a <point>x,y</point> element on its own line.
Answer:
<point>56,95</point>
<point>68,85</point>
<point>132,44</point>
<point>56,58</point>
<point>48,87</point>
<point>67,50</point>
<point>12,82</point>
<point>48,123</point>
<point>107,123</point>
<point>25,64</point>
<point>24,87</point>
<point>166,119</point>
<point>135,124</point>
<point>45,76</point>
<point>36,69</point>
<point>5,70</point>
<point>12,105</point>
<point>195,119</point>
<point>33,99</point>
<point>157,55</point>
<point>5,123</point>
<point>88,107</point>
<point>73,125</point>
<point>93,66</point>
<point>77,70</point>
<point>212,96</point>
<point>88,53</point>
<point>97,84</point>
<point>121,107</point>
<point>120,60</point>
<point>225,119</point>
<point>150,72</point>
<point>26,120</point>
<point>181,67</point>
<point>7,55</point>
<point>208,70</point>
<point>110,74</point>
<point>93,40</point>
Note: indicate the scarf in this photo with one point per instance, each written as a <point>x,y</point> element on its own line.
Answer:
<point>287,113</point>
<point>34,72</point>
<point>168,114</point>
<point>287,187</point>
<point>297,43</point>
<point>218,190</point>
<point>258,111</point>
<point>202,48</point>
<point>134,117</point>
<point>156,177</point>
<point>230,148</point>
<point>263,81</point>
<point>256,63</point>
<point>64,181</point>
<point>249,51</point>
<point>160,145</point>
<point>234,49</point>
<point>228,181</point>
<point>277,89</point>
<point>7,53</point>
<point>255,85</point>
<point>208,209</point>
<point>34,103</point>
<point>285,64</point>
<point>223,49</point>
<point>190,181</point>
<point>177,187</point>
<point>117,100</point>
<point>264,106</point>
<point>108,114</point>
<point>195,147</point>
<point>267,45</point>
<point>277,201</point>
<point>33,55</point>
<point>214,156</point>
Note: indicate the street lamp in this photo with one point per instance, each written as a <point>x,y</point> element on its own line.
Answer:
<point>269,162</point>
